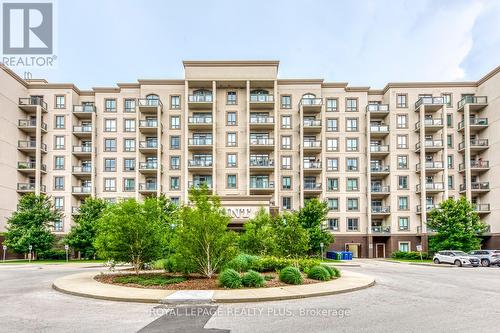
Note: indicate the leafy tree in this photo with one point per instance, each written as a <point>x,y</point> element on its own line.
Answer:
<point>292,239</point>
<point>202,237</point>
<point>133,232</point>
<point>457,226</point>
<point>31,223</point>
<point>311,217</point>
<point>83,233</point>
<point>259,237</point>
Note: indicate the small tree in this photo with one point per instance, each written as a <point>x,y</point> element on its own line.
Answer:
<point>292,239</point>
<point>259,237</point>
<point>202,238</point>
<point>31,223</point>
<point>132,232</point>
<point>457,226</point>
<point>83,233</point>
<point>311,217</point>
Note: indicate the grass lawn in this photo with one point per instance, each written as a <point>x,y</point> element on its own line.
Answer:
<point>331,260</point>
<point>43,262</point>
<point>149,280</point>
<point>427,261</point>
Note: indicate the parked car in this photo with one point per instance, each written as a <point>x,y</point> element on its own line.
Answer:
<point>457,258</point>
<point>487,257</point>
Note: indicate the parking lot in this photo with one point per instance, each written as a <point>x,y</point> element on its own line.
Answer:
<point>406,297</point>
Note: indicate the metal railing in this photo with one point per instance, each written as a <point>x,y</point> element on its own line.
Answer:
<point>35,101</point>
<point>200,141</point>
<point>148,102</point>
<point>22,144</point>
<point>261,185</point>
<point>379,128</point>
<point>200,163</point>
<point>151,123</point>
<point>380,168</point>
<point>148,165</point>
<point>200,120</point>
<point>381,229</point>
<point>381,209</point>
<point>481,186</point>
<point>148,187</point>
<point>429,101</point>
<point>261,120</point>
<point>312,186</point>
<point>311,165</point>
<point>312,144</point>
<point>474,143</point>
<point>262,162</point>
<point>472,100</point>
<point>82,168</point>
<point>81,189</point>
<point>431,186</point>
<point>481,207</point>
<point>431,165</point>
<point>380,189</point>
<point>82,149</point>
<point>31,123</point>
<point>379,148</point>
<point>148,144</point>
<point>311,101</point>
<point>475,164</point>
<point>200,98</point>
<point>82,129</point>
<point>198,184</point>
<point>427,208</point>
<point>377,108</point>
<point>84,108</point>
<point>430,144</point>
<point>474,122</point>
<point>312,123</point>
<point>261,98</point>
<point>262,141</point>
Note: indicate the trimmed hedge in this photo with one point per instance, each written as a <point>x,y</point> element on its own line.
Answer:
<point>52,254</point>
<point>270,263</point>
<point>242,262</point>
<point>253,279</point>
<point>410,255</point>
<point>230,278</point>
<point>334,272</point>
<point>291,275</point>
<point>319,273</point>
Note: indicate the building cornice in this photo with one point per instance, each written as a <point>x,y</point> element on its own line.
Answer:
<point>161,82</point>
<point>233,63</point>
<point>393,85</point>
<point>299,81</point>
<point>488,75</point>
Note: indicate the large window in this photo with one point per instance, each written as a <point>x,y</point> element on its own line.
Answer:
<point>129,164</point>
<point>109,164</point>
<point>286,162</point>
<point>286,203</point>
<point>128,184</point>
<point>332,125</point>
<point>286,182</point>
<point>332,184</point>
<point>59,142</point>
<point>59,162</point>
<point>332,144</point>
<point>404,246</point>
<point>231,160</point>
<point>60,102</point>
<point>175,162</point>
<point>109,184</point>
<point>352,124</point>
<point>110,125</point>
<point>175,122</point>
<point>332,164</point>
<point>402,162</point>
<point>231,118</point>
<point>352,184</point>
<point>231,98</point>
<point>286,122</point>
<point>231,181</point>
<point>286,142</point>
<point>286,102</point>
<point>175,183</point>
<point>110,105</point>
<point>231,140</point>
<point>332,104</point>
<point>175,102</point>
<point>352,204</point>
<point>403,182</point>
<point>129,105</point>
<point>401,101</point>
<point>403,203</point>
<point>60,122</point>
<point>404,223</point>
<point>352,164</point>
<point>351,104</point>
<point>333,224</point>
<point>352,224</point>
<point>109,144</point>
<point>59,203</point>
<point>175,142</point>
<point>128,145</point>
<point>59,183</point>
<point>402,121</point>
<point>352,144</point>
<point>129,125</point>
<point>333,204</point>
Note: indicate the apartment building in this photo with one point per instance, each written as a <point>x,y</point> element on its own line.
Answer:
<point>380,158</point>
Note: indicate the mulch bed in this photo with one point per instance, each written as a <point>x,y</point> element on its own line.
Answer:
<point>193,282</point>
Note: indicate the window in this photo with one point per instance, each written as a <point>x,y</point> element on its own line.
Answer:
<point>352,204</point>
<point>404,246</point>
<point>352,144</point>
<point>352,184</point>
<point>59,162</point>
<point>402,162</point>
<point>129,125</point>
<point>175,122</point>
<point>333,224</point>
<point>286,122</point>
<point>231,160</point>
<point>404,223</point>
<point>231,140</point>
<point>352,124</point>
<point>231,118</point>
<point>109,125</point>
<point>402,121</point>
<point>352,164</point>
<point>332,164</point>
<point>286,162</point>
<point>128,145</point>
<point>59,203</point>
<point>447,100</point>
<point>332,184</point>
<point>401,100</point>
<point>128,184</point>
<point>60,122</point>
<point>60,102</point>
<point>449,120</point>
<point>175,200</point>
<point>175,142</point>
<point>109,164</point>
<point>403,203</point>
<point>332,144</point>
<point>450,183</point>
<point>286,142</point>
<point>175,162</point>
<point>286,102</point>
<point>351,104</point>
<point>129,105</point>
<point>58,183</point>
<point>129,164</point>
<point>402,141</point>
<point>109,144</point>
<point>58,225</point>
<point>333,204</point>
<point>403,182</point>
<point>175,102</point>
<point>175,183</point>
<point>110,105</point>
<point>59,142</point>
<point>286,182</point>
<point>449,140</point>
<point>231,181</point>
<point>109,184</point>
<point>286,203</point>
<point>352,224</point>
<point>231,98</point>
<point>332,104</point>
<point>332,124</point>
<point>450,161</point>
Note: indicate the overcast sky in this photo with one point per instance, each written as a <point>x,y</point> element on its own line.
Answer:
<point>369,43</point>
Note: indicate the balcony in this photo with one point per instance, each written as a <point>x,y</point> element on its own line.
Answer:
<point>476,103</point>
<point>200,143</point>
<point>475,145</point>
<point>261,122</point>
<point>196,184</point>
<point>30,104</point>
<point>82,171</point>
<point>379,131</point>
<point>149,147</point>
<point>82,151</point>
<point>381,229</point>
<point>262,164</point>
<point>84,131</point>
<point>377,110</point>
<point>379,150</point>
<point>477,187</point>
<point>200,101</point>
<point>198,122</point>
<point>81,190</point>
<point>75,210</point>
<point>148,188</point>
<point>30,167</point>
<point>30,147</point>
<point>431,125</point>
<point>431,188</point>
<point>84,111</point>
<point>311,104</point>
<point>428,208</point>
<point>312,188</point>
<point>29,126</point>
<point>148,126</point>
<point>261,101</point>
<point>148,167</point>
<point>430,146</point>
<point>482,208</point>
<point>476,166</point>
<point>431,167</point>
<point>379,171</point>
<point>200,165</point>
<point>430,103</point>
<point>475,124</point>
<point>311,167</point>
<point>380,191</point>
<point>312,145</point>
<point>261,187</point>
<point>29,188</point>
<point>262,143</point>
<point>312,126</point>
<point>147,105</point>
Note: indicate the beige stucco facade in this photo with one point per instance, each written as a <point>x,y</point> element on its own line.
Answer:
<point>382,158</point>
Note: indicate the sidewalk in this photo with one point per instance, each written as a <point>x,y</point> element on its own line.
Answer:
<point>84,284</point>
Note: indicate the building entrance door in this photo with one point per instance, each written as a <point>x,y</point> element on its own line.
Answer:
<point>354,248</point>
<point>380,250</point>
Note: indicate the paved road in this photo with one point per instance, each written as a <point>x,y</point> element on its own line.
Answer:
<point>406,297</point>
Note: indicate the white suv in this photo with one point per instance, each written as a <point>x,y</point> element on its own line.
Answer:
<point>457,258</point>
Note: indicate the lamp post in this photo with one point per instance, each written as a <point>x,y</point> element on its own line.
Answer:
<point>66,247</point>
<point>4,251</point>
<point>30,247</point>
<point>321,246</point>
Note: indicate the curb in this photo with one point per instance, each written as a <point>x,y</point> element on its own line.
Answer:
<point>418,264</point>
<point>84,285</point>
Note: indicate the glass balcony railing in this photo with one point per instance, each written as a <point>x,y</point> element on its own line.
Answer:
<point>148,187</point>
<point>312,123</point>
<point>200,163</point>
<point>261,120</point>
<point>381,209</point>
<point>261,98</point>
<point>82,149</point>
<point>148,144</point>
<point>82,129</point>
<point>200,120</point>
<point>30,145</point>
<point>35,101</point>
<point>200,141</point>
<point>482,164</point>
<point>380,189</point>
<point>472,100</point>
<point>84,108</point>
<point>82,169</point>
<point>81,189</point>
<point>431,186</point>
<point>379,148</point>
<point>312,165</point>
<point>312,186</point>
<point>261,141</point>
<point>477,143</point>
<point>477,186</point>
<point>258,185</point>
<point>312,144</point>
<point>474,122</point>
<point>261,162</point>
<point>481,207</point>
<point>379,128</point>
<point>199,183</point>
<point>381,229</point>
<point>430,144</point>
<point>430,101</point>
<point>148,165</point>
<point>380,168</point>
<point>431,165</point>
<point>148,123</point>
<point>200,98</point>
<point>311,101</point>
<point>149,102</point>
<point>377,108</point>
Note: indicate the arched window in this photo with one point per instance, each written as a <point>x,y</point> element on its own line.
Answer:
<point>308,95</point>
<point>202,92</point>
<point>152,97</point>
<point>259,92</point>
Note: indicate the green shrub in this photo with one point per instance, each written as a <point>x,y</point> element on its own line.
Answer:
<point>173,264</point>
<point>52,254</point>
<point>149,280</point>
<point>159,264</point>
<point>268,277</point>
<point>334,272</point>
<point>242,262</point>
<point>319,273</point>
<point>230,278</point>
<point>291,275</point>
<point>410,255</point>
<point>253,279</point>
<point>270,263</point>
